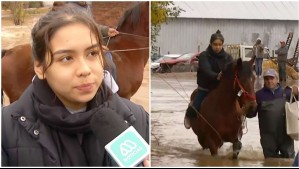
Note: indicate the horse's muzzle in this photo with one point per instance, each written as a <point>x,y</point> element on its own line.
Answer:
<point>249,106</point>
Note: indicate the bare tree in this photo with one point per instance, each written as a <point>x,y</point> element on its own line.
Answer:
<point>18,11</point>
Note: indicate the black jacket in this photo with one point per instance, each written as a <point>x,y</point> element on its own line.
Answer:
<point>209,66</point>
<point>22,147</point>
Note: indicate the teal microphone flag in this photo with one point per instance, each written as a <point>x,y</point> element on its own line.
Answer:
<point>128,149</point>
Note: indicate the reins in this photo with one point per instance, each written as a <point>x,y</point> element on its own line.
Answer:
<point>242,93</point>
<point>126,50</point>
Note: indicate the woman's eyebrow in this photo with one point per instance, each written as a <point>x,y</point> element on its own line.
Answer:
<point>92,46</point>
<point>72,51</point>
<point>63,51</point>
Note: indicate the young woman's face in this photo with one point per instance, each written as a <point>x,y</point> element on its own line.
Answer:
<point>77,69</point>
<point>217,45</point>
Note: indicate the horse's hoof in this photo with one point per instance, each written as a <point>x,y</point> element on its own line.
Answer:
<point>236,149</point>
<point>235,155</point>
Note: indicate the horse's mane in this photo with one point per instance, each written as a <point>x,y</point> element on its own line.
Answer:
<point>245,69</point>
<point>133,12</point>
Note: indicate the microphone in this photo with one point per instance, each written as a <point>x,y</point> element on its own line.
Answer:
<point>123,143</point>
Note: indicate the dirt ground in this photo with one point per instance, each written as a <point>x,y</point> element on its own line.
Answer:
<point>12,35</point>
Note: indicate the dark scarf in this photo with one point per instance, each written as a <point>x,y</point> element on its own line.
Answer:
<point>65,127</point>
<point>219,55</point>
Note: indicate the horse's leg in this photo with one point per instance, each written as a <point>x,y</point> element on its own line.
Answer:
<point>201,142</point>
<point>237,145</point>
<point>213,147</point>
<point>214,151</point>
<point>206,144</point>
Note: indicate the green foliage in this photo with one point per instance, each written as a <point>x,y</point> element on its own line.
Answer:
<point>154,33</point>
<point>161,11</point>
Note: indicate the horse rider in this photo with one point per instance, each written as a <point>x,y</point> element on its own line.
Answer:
<point>211,63</point>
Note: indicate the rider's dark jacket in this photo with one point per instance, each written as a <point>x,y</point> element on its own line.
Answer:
<point>209,65</point>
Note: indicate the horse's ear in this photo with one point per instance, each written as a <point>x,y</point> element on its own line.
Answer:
<point>252,59</point>
<point>239,64</point>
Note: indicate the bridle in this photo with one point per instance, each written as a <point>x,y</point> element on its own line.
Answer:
<point>245,95</point>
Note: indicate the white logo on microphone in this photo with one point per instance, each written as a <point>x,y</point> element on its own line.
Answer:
<point>127,147</point>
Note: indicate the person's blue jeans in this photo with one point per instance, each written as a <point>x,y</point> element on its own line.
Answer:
<point>296,161</point>
<point>282,71</point>
<point>201,95</point>
<point>258,66</point>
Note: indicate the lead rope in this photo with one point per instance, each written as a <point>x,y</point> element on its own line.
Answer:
<point>244,123</point>
<point>128,50</point>
<point>187,101</point>
<point>179,84</point>
<point>125,50</point>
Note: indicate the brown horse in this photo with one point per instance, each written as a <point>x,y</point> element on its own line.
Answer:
<point>130,49</point>
<point>17,63</point>
<point>220,117</point>
<point>17,70</point>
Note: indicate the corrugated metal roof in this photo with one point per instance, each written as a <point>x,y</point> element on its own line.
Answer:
<point>265,10</point>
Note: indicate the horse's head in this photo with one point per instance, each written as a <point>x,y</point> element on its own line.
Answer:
<point>136,20</point>
<point>244,84</point>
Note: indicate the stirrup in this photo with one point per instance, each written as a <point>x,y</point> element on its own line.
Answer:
<point>187,122</point>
